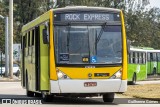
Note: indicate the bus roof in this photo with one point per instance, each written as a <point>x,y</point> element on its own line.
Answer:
<point>137,50</point>
<point>46,15</point>
<point>152,51</point>
<point>85,8</point>
<point>144,50</point>
<point>36,21</point>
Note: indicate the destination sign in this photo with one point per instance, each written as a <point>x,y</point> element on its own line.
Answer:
<point>87,17</point>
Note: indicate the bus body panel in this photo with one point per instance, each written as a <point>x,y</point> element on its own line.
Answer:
<point>83,73</point>
<point>44,62</point>
<point>153,63</point>
<point>137,64</point>
<point>158,63</point>
<point>124,43</point>
<point>53,74</point>
<point>149,67</point>
<point>31,66</point>
<point>139,69</point>
<point>77,86</point>
<point>29,70</point>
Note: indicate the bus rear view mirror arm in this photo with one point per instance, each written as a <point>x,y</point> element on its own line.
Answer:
<point>45,36</point>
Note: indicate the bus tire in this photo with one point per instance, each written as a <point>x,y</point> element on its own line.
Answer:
<point>108,97</point>
<point>134,79</point>
<point>28,93</point>
<point>17,74</point>
<point>38,94</point>
<point>47,98</point>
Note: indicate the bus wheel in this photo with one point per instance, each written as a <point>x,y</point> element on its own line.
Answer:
<point>134,79</point>
<point>29,93</point>
<point>108,97</point>
<point>47,98</point>
<point>17,74</point>
<point>38,95</point>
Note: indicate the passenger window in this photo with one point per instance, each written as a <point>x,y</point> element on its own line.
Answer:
<point>154,57</point>
<point>158,56</point>
<point>24,41</point>
<point>33,34</point>
<point>28,39</point>
<point>144,58</point>
<point>134,57</point>
<point>148,57</point>
<point>131,57</point>
<point>140,58</point>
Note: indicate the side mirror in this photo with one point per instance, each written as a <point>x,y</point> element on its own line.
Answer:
<point>45,36</point>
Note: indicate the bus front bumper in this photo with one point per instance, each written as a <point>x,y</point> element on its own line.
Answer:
<point>77,86</point>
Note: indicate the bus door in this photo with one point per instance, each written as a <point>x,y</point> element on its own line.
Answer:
<point>23,60</point>
<point>152,65</point>
<point>37,58</point>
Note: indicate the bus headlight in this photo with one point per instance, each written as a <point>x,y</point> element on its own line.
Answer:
<point>117,75</point>
<point>61,75</point>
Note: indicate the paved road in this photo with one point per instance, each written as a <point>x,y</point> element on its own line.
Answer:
<point>14,90</point>
<point>148,82</point>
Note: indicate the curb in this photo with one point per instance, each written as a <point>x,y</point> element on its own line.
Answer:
<point>9,80</point>
<point>153,79</point>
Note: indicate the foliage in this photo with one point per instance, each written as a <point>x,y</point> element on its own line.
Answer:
<point>143,25</point>
<point>2,27</point>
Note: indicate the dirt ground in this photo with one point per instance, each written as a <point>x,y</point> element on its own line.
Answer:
<point>149,91</point>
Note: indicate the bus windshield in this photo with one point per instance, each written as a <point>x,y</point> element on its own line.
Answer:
<point>88,44</point>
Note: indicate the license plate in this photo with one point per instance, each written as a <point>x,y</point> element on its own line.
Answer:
<point>90,84</point>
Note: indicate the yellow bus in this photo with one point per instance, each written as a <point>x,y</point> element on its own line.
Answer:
<point>75,51</point>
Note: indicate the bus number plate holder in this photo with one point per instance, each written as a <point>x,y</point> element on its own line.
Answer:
<point>90,84</point>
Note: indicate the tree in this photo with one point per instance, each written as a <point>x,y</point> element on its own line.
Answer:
<point>142,25</point>
<point>26,11</point>
<point>2,26</point>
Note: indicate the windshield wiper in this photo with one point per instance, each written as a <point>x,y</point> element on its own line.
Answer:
<point>101,32</point>
<point>89,48</point>
<point>68,36</point>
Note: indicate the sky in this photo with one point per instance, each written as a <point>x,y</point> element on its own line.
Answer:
<point>155,3</point>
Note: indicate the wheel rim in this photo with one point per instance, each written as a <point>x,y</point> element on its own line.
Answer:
<point>43,96</point>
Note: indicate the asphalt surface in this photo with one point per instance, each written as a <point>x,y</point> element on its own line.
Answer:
<point>10,90</point>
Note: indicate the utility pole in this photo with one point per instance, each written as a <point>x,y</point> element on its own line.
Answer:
<point>6,47</point>
<point>11,38</point>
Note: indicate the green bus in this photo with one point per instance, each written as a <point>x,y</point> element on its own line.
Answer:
<point>142,64</point>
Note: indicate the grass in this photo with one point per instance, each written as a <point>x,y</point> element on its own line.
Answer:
<point>146,91</point>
